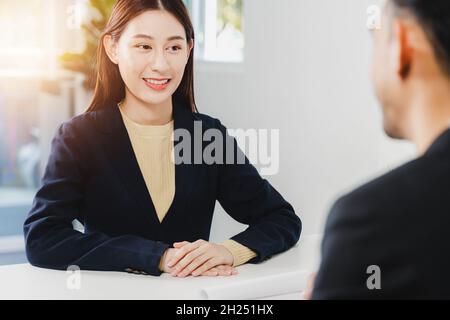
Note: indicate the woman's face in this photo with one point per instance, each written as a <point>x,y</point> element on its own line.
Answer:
<point>151,54</point>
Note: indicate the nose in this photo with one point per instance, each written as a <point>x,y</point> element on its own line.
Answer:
<point>159,61</point>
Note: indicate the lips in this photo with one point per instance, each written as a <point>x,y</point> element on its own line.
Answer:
<point>157,84</point>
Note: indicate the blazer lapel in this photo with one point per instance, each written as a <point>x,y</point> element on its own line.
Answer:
<point>123,159</point>
<point>184,173</point>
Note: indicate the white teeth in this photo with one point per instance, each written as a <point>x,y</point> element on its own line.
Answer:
<point>156,82</point>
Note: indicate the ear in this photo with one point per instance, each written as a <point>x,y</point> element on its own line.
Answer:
<point>404,51</point>
<point>111,48</point>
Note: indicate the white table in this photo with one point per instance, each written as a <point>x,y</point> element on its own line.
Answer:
<point>282,277</point>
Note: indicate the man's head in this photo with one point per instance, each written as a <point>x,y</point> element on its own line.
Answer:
<point>411,53</point>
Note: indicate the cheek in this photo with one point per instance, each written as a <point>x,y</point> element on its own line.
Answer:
<point>138,67</point>
<point>178,66</point>
<point>128,74</point>
<point>380,68</point>
<point>132,63</point>
<point>376,71</point>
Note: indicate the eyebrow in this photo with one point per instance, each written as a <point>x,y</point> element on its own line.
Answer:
<point>152,38</point>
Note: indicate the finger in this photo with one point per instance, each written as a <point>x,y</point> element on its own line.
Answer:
<point>307,294</point>
<point>233,270</point>
<point>211,263</point>
<point>192,261</point>
<point>184,251</point>
<point>188,259</point>
<point>225,270</point>
<point>224,267</point>
<point>210,273</point>
<point>195,264</point>
<point>180,244</point>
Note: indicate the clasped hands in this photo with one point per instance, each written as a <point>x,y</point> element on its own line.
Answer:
<point>199,258</point>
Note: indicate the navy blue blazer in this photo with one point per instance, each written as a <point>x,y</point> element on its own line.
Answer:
<point>92,175</point>
<point>398,222</point>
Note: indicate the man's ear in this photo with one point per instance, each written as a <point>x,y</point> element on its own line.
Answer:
<point>111,48</point>
<point>404,51</point>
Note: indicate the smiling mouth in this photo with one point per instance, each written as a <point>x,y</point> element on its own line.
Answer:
<point>157,84</point>
<point>157,81</point>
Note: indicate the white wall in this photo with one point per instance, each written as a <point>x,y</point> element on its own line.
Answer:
<point>306,72</point>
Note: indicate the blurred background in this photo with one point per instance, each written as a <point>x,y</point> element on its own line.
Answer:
<point>300,66</point>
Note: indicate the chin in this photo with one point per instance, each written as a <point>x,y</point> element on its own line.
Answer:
<point>392,131</point>
<point>155,100</point>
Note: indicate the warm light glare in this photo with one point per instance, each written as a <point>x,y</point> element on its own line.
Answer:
<point>24,37</point>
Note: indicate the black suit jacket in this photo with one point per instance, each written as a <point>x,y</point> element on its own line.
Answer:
<point>400,223</point>
<point>93,176</point>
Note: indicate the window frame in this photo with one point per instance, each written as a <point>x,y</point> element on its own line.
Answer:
<point>204,18</point>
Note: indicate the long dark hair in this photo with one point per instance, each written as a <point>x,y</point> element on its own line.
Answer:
<point>110,87</point>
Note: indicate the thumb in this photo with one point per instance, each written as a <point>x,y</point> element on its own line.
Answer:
<point>180,244</point>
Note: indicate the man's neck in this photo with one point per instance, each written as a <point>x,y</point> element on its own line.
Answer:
<point>147,114</point>
<point>430,117</point>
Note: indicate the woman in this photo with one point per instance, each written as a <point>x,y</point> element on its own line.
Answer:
<point>112,169</point>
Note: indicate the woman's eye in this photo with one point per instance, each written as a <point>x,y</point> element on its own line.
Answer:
<point>175,48</point>
<point>144,46</point>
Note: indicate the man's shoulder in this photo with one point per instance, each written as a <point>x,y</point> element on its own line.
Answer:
<point>400,187</point>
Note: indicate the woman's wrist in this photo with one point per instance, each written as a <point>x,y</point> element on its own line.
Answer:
<point>241,254</point>
<point>162,262</point>
<point>229,256</point>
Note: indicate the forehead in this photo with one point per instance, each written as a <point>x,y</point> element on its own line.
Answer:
<point>159,24</point>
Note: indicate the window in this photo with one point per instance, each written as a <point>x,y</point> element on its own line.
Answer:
<point>219,29</point>
<point>27,50</point>
<point>33,34</point>
<point>20,157</point>
<point>21,40</point>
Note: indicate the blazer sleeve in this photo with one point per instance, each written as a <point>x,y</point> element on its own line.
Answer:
<point>50,240</point>
<point>273,226</point>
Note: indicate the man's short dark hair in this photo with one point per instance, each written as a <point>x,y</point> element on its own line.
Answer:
<point>434,16</point>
